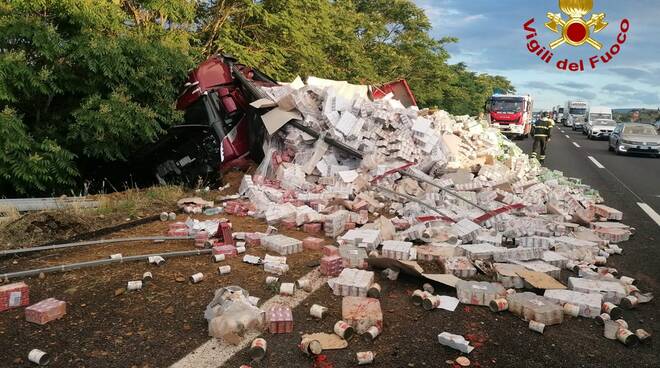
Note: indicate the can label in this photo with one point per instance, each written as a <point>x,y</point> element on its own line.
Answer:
<point>305,285</point>
<point>134,285</point>
<point>498,305</point>
<point>374,291</point>
<point>258,349</point>
<point>223,270</point>
<point>287,288</point>
<point>431,302</point>
<point>343,330</point>
<point>38,357</point>
<point>372,333</point>
<point>536,326</point>
<point>197,277</point>
<point>311,347</point>
<point>317,311</point>
<point>218,258</point>
<point>365,357</point>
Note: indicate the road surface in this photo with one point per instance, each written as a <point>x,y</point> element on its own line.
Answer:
<point>628,183</point>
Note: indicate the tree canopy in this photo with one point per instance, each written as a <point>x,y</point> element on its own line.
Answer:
<point>88,81</point>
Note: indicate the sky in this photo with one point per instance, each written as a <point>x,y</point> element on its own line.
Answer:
<point>492,40</point>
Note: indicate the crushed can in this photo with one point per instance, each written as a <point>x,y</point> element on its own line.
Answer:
<point>258,349</point>
<point>611,309</point>
<point>536,326</point>
<point>374,290</point>
<point>317,311</point>
<point>627,338</point>
<point>371,334</point>
<point>197,277</point>
<point>642,335</point>
<point>39,357</point>
<point>157,260</point>
<point>498,305</point>
<point>431,302</point>
<point>134,285</point>
<point>311,347</point>
<point>365,357</point>
<point>344,330</point>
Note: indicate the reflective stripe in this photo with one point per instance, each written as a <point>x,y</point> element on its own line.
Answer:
<point>540,135</point>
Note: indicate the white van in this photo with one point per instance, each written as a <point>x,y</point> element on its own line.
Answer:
<point>600,122</point>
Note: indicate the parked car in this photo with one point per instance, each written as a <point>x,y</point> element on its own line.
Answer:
<point>635,138</point>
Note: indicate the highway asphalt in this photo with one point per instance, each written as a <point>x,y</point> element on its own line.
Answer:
<point>628,183</point>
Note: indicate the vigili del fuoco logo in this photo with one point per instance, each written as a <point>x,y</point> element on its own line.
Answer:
<point>576,31</point>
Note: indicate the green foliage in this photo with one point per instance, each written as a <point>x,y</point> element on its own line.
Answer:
<point>92,79</point>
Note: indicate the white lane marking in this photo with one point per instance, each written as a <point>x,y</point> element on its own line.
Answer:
<point>213,354</point>
<point>649,211</point>
<point>568,136</point>
<point>576,145</point>
<point>598,164</point>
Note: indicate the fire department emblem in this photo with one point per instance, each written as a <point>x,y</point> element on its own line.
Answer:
<point>576,31</point>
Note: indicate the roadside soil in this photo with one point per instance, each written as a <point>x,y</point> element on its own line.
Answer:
<point>106,326</point>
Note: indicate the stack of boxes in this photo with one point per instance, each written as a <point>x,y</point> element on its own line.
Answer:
<point>396,249</point>
<point>281,244</point>
<point>353,282</point>
<point>14,295</point>
<point>280,319</point>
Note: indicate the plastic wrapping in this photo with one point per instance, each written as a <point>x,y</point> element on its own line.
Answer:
<point>231,315</point>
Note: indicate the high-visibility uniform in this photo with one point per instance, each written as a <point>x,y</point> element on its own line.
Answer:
<point>542,133</point>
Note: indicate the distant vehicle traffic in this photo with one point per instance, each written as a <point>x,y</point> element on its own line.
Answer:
<point>511,114</point>
<point>575,114</point>
<point>635,138</point>
<point>599,122</point>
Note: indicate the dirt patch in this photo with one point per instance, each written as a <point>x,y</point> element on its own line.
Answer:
<point>39,226</point>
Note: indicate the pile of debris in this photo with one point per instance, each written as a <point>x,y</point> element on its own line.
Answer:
<point>409,185</point>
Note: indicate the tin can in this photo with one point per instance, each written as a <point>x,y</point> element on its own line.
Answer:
<point>611,329</point>
<point>428,288</point>
<point>317,311</point>
<point>571,266</point>
<point>628,280</point>
<point>223,270</point>
<point>253,300</point>
<point>431,302</point>
<point>622,323</point>
<point>536,326</point>
<point>631,289</point>
<point>365,357</point>
<point>134,285</point>
<point>147,276</point>
<point>218,258</point>
<point>498,305</point>
<point>611,309</point>
<point>510,292</point>
<point>164,216</point>
<point>311,347</point>
<point>38,357</point>
<point>258,349</point>
<point>157,260</point>
<point>287,288</point>
<point>343,330</point>
<point>197,277</point>
<point>304,284</point>
<point>171,216</point>
<point>626,337</point>
<point>271,280</point>
<point>600,320</point>
<point>571,310</point>
<point>642,335</point>
<point>240,250</point>
<point>629,302</point>
<point>418,296</point>
<point>374,290</point>
<point>371,333</point>
<point>116,256</point>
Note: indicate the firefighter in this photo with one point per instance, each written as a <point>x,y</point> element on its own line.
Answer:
<point>542,135</point>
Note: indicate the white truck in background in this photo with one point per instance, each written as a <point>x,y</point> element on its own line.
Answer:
<point>600,122</point>
<point>575,113</point>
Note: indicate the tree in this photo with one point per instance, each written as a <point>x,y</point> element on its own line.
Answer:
<point>85,80</point>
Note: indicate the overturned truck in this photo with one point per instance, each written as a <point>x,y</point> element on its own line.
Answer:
<point>222,129</point>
